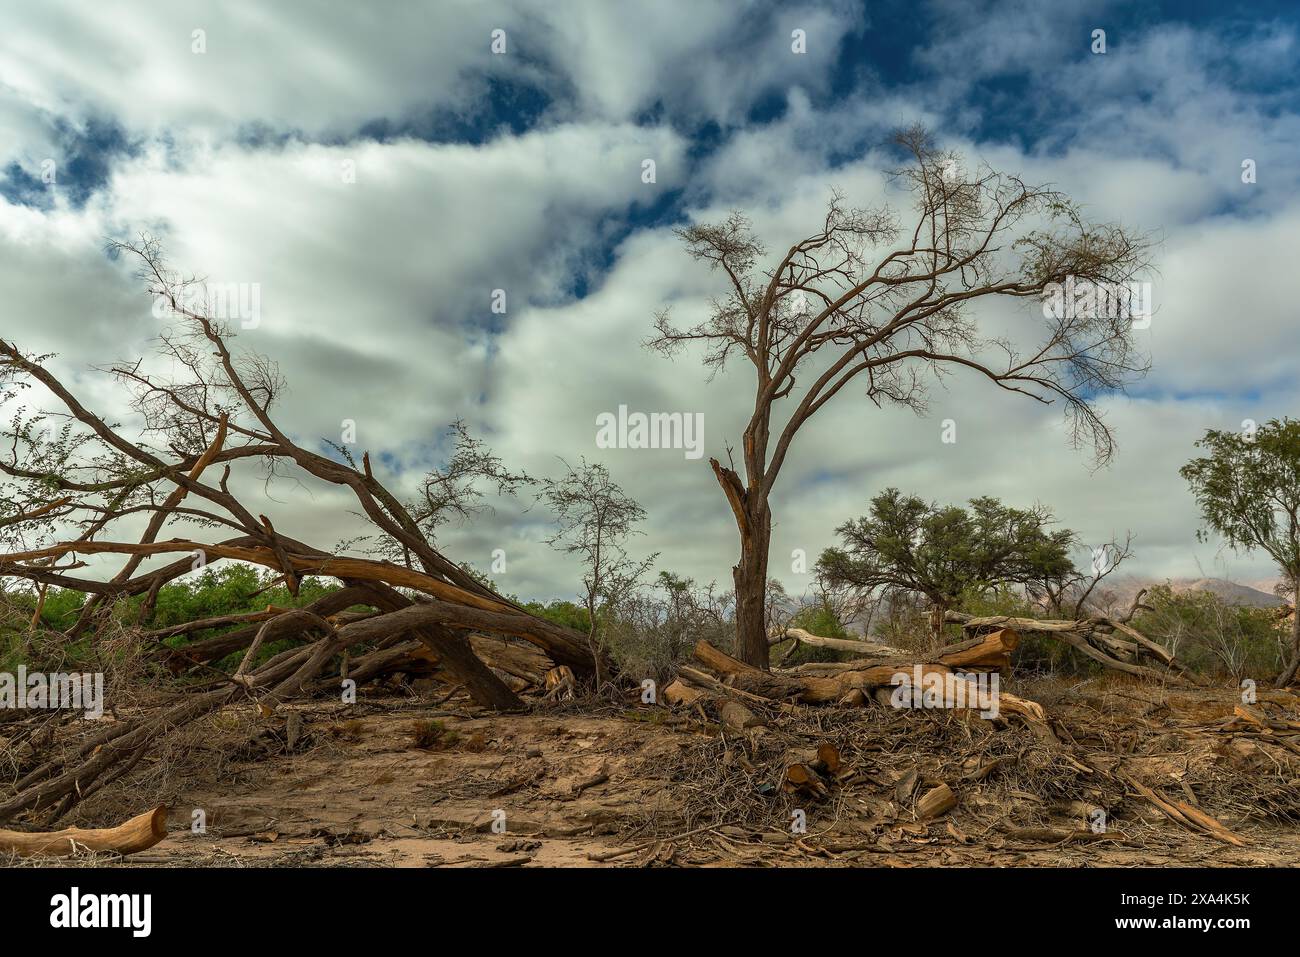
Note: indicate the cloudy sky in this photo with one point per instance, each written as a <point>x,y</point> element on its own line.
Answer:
<point>378,170</point>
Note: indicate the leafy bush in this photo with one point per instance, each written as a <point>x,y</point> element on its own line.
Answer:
<point>1212,636</point>
<point>655,628</point>
<point>228,589</point>
<point>1036,653</point>
<point>565,613</point>
<point>819,619</point>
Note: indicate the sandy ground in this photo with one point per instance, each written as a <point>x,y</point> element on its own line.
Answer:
<point>377,785</point>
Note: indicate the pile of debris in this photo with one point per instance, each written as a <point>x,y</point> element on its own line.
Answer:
<point>827,760</point>
<point>205,412</point>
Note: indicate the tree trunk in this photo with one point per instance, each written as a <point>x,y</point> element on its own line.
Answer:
<point>138,834</point>
<point>455,654</point>
<point>1289,675</point>
<point>754,522</point>
<point>937,614</point>
<point>750,578</point>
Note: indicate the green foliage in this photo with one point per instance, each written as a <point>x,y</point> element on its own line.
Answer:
<point>654,628</point>
<point>1003,600</point>
<point>1212,636</point>
<point>907,544</point>
<point>1248,488</point>
<point>821,620</point>
<point>1036,653</point>
<point>594,518</point>
<point>564,613</point>
<point>228,589</point>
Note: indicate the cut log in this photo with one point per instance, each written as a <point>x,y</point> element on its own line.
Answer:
<point>814,690</point>
<point>720,662</point>
<point>804,780</point>
<point>990,650</point>
<point>737,717</point>
<point>828,759</point>
<point>680,694</point>
<point>139,833</point>
<point>1031,710</point>
<point>934,802</point>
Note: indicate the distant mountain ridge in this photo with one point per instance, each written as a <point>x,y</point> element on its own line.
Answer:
<point>1121,593</point>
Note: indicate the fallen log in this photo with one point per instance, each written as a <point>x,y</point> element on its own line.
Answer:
<point>457,606</point>
<point>1184,814</point>
<point>705,680</point>
<point>934,802</point>
<point>989,650</point>
<point>679,694</point>
<point>855,686</point>
<point>822,689</point>
<point>986,652</point>
<point>215,417</point>
<point>804,780</point>
<point>802,636</point>
<point>138,834</point>
<point>1095,638</point>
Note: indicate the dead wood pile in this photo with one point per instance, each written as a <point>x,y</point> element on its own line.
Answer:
<point>825,744</point>
<point>1112,642</point>
<point>205,412</point>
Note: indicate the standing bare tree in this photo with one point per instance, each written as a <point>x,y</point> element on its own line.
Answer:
<point>594,519</point>
<point>823,316</point>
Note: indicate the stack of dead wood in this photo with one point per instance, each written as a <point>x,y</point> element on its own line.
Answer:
<point>849,683</point>
<point>64,500</point>
<point>736,695</point>
<point>1111,642</point>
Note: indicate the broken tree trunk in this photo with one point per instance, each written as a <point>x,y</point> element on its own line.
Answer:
<point>1094,637</point>
<point>854,684</point>
<point>862,676</point>
<point>802,636</point>
<point>194,430</point>
<point>519,664</point>
<point>138,834</point>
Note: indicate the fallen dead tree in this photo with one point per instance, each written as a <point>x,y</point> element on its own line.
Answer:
<point>138,834</point>
<point>851,683</point>
<point>205,415</point>
<point>801,636</point>
<point>1111,642</point>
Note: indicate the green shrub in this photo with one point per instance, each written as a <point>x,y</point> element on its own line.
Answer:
<point>228,589</point>
<point>1213,637</point>
<point>820,620</point>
